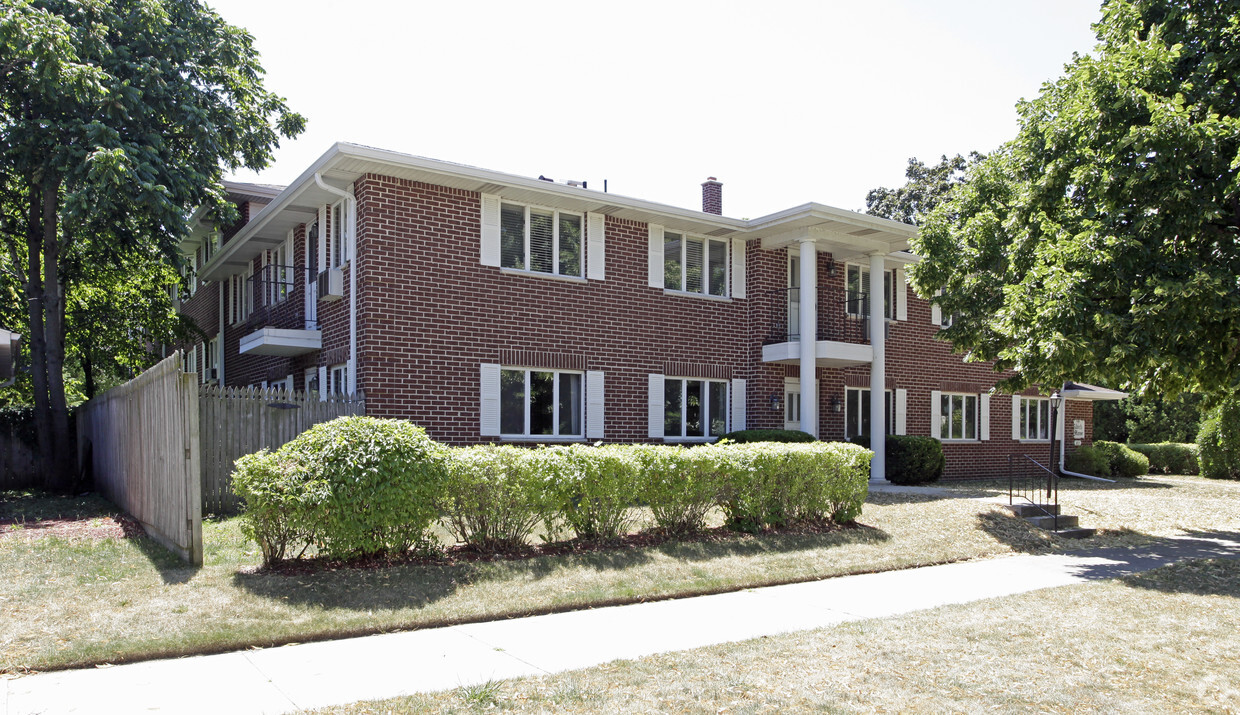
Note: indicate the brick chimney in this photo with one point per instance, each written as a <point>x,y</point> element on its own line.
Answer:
<point>712,196</point>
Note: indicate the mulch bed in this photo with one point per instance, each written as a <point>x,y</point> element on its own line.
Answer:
<point>119,526</point>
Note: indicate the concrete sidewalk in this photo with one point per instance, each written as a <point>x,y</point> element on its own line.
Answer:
<point>314,675</point>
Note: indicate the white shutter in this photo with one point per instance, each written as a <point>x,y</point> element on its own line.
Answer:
<point>323,387</point>
<point>738,397</point>
<point>1016,417</point>
<point>901,295</point>
<point>654,414</point>
<point>984,406</point>
<point>936,315</point>
<point>935,399</point>
<point>490,232</point>
<point>901,411</point>
<point>489,390</point>
<point>738,268</point>
<point>656,267</point>
<point>324,259</point>
<point>594,404</point>
<point>595,246</point>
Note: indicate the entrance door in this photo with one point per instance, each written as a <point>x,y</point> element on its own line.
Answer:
<point>792,403</point>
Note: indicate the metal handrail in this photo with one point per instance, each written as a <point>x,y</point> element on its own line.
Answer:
<point>1032,481</point>
<point>270,289</point>
<point>843,315</point>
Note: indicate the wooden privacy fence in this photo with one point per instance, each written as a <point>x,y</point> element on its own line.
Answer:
<point>235,421</point>
<point>142,442</point>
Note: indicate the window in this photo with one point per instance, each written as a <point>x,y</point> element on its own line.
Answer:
<point>338,379</point>
<point>535,403</point>
<point>279,274</point>
<point>540,240</point>
<point>339,237</point>
<point>859,285</point>
<point>210,360</point>
<point>312,380</point>
<point>937,316</point>
<point>695,264</point>
<point>695,408</point>
<point>857,412</point>
<point>1035,418</point>
<point>957,416</point>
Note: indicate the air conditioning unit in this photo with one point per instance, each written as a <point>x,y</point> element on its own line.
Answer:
<point>331,284</point>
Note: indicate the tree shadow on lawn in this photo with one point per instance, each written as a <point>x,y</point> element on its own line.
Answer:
<point>172,570</point>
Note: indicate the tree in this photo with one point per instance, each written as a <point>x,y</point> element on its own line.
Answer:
<point>1148,419</point>
<point>118,117</point>
<point>926,188</point>
<point>1103,242</point>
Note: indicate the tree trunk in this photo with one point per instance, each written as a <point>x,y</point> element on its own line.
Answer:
<point>64,466</point>
<point>88,370</point>
<point>38,342</point>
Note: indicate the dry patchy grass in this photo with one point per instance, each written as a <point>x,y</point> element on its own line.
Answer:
<point>75,602</point>
<point>1163,641</point>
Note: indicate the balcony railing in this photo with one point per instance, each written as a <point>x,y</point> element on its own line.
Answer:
<point>276,296</point>
<point>843,316</point>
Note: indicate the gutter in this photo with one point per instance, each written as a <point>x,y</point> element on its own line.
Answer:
<point>351,206</point>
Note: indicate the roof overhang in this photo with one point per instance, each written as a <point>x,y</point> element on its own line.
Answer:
<point>1081,391</point>
<point>845,234</point>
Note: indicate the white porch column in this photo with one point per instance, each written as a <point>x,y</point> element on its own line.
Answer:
<point>878,371</point>
<point>809,337</point>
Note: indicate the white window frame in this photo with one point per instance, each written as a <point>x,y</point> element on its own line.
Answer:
<point>338,241</point>
<point>706,409</point>
<point>1034,410</point>
<point>890,286</point>
<point>555,240</point>
<point>555,403</point>
<point>889,403</point>
<point>685,237</point>
<point>945,419</point>
<point>281,257</point>
<point>338,379</point>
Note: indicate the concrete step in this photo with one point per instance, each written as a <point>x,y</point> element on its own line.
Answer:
<point>1033,509</point>
<point>1079,532</point>
<point>1049,522</point>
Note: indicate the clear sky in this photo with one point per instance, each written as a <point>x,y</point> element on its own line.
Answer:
<point>784,102</point>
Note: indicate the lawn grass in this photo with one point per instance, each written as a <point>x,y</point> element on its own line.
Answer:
<point>74,602</point>
<point>1161,641</point>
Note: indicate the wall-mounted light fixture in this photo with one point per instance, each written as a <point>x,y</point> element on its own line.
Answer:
<point>836,405</point>
<point>831,269</point>
<point>774,402</point>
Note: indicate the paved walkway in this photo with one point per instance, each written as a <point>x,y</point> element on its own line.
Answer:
<point>314,675</point>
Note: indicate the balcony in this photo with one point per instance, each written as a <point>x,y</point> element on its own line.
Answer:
<point>843,335</point>
<point>282,318</point>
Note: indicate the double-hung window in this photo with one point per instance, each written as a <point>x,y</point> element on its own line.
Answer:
<point>537,403</point>
<point>858,278</point>
<point>694,408</point>
<point>695,264</point>
<point>1035,418</point>
<point>541,240</point>
<point>957,416</point>
<point>278,273</point>
<point>338,379</point>
<point>857,412</point>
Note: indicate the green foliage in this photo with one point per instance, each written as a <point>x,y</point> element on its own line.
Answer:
<point>1122,461</point>
<point>1149,419</point>
<point>1170,457</point>
<point>590,489</point>
<point>1089,460</point>
<point>680,485</point>
<point>926,188</point>
<point>767,435</point>
<point>1100,243</point>
<point>1219,441</point>
<point>382,482</point>
<point>772,485</point>
<point>282,505</point>
<point>910,459</point>
<point>494,496</point>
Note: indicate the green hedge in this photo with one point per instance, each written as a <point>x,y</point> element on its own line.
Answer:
<point>770,485</point>
<point>1107,459</point>
<point>910,459</point>
<point>767,435</point>
<point>1219,441</point>
<point>494,497</point>
<point>590,489</point>
<point>1170,457</point>
<point>680,485</point>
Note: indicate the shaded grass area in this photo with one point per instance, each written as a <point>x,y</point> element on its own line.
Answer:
<point>1161,641</point>
<point>73,602</point>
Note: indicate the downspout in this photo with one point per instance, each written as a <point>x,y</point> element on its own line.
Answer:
<point>351,210</point>
<point>219,347</point>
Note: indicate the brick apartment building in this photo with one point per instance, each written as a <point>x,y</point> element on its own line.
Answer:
<point>491,307</point>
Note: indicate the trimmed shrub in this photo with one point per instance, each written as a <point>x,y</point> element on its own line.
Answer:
<point>494,496</point>
<point>680,485</point>
<point>1219,441</point>
<point>1123,461</point>
<point>1170,457</point>
<point>767,435</point>
<point>281,505</point>
<point>768,485</point>
<point>1088,460</point>
<point>382,481</point>
<point>910,459</point>
<point>589,489</point>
